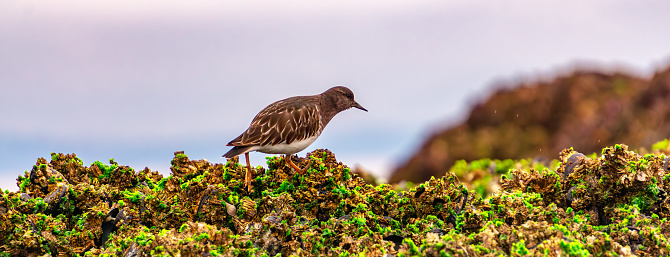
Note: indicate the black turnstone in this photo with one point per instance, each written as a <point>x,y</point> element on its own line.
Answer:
<point>289,126</point>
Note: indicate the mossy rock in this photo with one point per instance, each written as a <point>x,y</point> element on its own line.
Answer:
<point>612,204</point>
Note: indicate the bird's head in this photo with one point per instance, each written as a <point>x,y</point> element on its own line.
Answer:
<point>343,98</point>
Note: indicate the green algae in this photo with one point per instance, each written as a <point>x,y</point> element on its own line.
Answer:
<point>614,203</point>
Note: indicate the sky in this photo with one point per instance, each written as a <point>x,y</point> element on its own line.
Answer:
<point>139,80</point>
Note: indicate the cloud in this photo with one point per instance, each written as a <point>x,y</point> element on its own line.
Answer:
<point>104,78</point>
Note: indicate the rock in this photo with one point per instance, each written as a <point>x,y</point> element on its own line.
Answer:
<point>583,110</point>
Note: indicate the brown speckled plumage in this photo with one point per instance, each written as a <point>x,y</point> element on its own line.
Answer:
<point>290,125</point>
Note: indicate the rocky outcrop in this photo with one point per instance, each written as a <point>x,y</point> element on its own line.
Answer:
<point>614,204</point>
<point>584,110</point>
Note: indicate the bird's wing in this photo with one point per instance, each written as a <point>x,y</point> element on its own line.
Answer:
<point>281,123</point>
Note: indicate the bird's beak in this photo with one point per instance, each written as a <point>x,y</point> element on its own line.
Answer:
<point>356,105</point>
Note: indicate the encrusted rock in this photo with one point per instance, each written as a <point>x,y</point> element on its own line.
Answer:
<point>612,204</point>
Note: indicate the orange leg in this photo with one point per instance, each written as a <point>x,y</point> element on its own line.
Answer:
<point>290,162</point>
<point>247,177</point>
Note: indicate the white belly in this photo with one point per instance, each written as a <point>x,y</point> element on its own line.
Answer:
<point>283,148</point>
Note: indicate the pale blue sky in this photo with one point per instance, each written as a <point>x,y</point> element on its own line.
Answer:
<point>138,80</point>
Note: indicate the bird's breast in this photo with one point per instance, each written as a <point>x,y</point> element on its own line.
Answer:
<point>284,148</point>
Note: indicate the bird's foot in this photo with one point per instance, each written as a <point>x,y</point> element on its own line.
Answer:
<point>247,180</point>
<point>247,176</point>
<point>295,167</point>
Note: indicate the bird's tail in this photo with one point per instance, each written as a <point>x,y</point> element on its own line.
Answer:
<point>237,150</point>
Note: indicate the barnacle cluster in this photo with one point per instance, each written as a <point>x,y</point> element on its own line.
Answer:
<point>614,203</point>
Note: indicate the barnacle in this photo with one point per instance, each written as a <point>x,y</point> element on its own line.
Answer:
<point>612,204</point>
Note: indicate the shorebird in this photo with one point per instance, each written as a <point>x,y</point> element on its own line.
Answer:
<point>289,126</point>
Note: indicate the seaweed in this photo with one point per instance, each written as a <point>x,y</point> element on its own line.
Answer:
<point>614,203</point>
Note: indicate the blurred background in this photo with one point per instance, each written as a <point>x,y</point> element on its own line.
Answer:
<point>138,80</point>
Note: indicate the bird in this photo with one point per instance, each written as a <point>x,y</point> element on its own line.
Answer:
<point>290,125</point>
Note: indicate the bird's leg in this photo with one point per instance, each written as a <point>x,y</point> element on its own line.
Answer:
<point>301,171</point>
<point>247,177</point>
